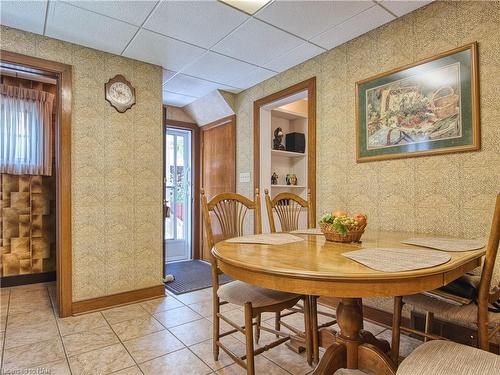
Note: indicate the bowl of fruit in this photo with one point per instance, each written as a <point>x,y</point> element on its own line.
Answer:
<point>339,227</point>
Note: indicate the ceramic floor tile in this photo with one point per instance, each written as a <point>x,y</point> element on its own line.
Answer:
<point>407,344</point>
<point>180,362</point>
<point>151,346</point>
<point>86,341</point>
<point>101,361</point>
<point>53,368</point>
<point>262,366</point>
<point>204,351</point>
<point>176,317</point>
<point>33,354</point>
<point>74,324</point>
<point>193,332</point>
<point>205,308</point>
<point>30,333</point>
<point>161,304</point>
<point>129,371</point>
<point>136,327</point>
<point>21,320</point>
<point>120,314</point>
<point>293,362</point>
<point>26,307</point>
<point>195,297</point>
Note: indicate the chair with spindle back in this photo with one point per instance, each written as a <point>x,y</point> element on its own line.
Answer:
<point>477,313</point>
<point>230,211</point>
<point>288,207</point>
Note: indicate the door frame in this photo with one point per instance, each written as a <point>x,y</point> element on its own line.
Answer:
<point>62,151</point>
<point>308,85</point>
<point>195,178</point>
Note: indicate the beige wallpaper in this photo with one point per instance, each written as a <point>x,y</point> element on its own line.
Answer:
<point>452,194</point>
<point>116,168</point>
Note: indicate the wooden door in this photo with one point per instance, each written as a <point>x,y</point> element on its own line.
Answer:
<point>218,171</point>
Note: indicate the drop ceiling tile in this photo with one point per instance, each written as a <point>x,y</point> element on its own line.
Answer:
<point>158,49</point>
<point>401,7</point>
<point>177,100</point>
<point>257,42</point>
<point>167,75</point>
<point>296,56</point>
<point>80,26</point>
<point>256,76</point>
<point>218,68</point>
<point>309,18</point>
<point>24,15</point>
<point>353,27</point>
<point>192,86</point>
<point>247,6</point>
<point>202,23</point>
<point>134,12</point>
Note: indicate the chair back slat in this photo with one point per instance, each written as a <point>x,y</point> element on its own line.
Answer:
<point>229,211</point>
<point>288,207</point>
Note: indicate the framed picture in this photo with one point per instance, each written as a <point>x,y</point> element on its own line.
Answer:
<point>427,108</point>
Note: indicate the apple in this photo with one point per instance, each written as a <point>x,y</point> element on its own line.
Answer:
<point>338,213</point>
<point>360,218</point>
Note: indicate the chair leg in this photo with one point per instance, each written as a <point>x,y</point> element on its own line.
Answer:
<point>308,329</point>
<point>216,326</point>
<point>277,325</point>
<point>249,338</point>
<point>429,319</point>
<point>396,329</point>
<point>257,328</point>
<point>314,328</point>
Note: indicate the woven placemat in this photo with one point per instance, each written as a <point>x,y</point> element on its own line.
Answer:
<point>267,239</point>
<point>398,260</point>
<point>313,231</point>
<point>446,244</point>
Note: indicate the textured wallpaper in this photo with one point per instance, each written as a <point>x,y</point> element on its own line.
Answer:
<point>116,168</point>
<point>452,194</point>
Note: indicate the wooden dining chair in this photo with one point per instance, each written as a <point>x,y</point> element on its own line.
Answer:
<point>230,211</point>
<point>475,313</point>
<point>288,207</point>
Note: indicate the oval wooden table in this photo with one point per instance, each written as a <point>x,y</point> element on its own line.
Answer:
<point>316,267</point>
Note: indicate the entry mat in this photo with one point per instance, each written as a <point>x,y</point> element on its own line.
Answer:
<point>191,275</point>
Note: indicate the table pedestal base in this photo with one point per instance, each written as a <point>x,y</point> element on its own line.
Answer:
<point>353,348</point>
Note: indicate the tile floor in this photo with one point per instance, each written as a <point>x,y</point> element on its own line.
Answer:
<point>170,335</point>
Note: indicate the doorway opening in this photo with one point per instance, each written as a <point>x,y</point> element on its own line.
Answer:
<point>40,196</point>
<point>178,195</point>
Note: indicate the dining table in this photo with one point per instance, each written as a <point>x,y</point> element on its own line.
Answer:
<point>316,267</point>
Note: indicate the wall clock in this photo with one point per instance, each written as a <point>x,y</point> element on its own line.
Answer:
<point>120,93</point>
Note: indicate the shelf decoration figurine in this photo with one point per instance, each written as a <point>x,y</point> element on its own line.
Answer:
<point>278,139</point>
<point>291,179</point>
<point>274,179</point>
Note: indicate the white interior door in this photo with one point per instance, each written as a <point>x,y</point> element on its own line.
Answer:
<point>178,195</point>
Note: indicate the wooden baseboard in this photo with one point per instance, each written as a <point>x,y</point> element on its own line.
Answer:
<point>118,299</point>
<point>32,278</point>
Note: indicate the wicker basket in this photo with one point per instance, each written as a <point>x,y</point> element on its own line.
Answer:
<point>444,102</point>
<point>332,235</point>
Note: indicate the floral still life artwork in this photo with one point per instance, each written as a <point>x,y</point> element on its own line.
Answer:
<point>429,107</point>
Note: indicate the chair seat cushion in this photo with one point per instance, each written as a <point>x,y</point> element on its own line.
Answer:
<point>448,358</point>
<point>239,293</point>
<point>447,311</point>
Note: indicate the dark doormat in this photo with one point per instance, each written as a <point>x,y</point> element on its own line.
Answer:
<point>191,275</point>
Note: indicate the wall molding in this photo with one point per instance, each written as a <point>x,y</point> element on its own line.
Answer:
<point>113,300</point>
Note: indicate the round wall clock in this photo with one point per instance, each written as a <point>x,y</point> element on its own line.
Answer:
<point>120,93</point>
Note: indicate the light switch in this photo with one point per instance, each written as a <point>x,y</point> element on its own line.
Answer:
<point>245,177</point>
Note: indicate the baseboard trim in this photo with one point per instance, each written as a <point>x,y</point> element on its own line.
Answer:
<point>124,298</point>
<point>25,279</point>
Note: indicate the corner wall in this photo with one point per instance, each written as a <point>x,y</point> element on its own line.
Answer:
<point>116,168</point>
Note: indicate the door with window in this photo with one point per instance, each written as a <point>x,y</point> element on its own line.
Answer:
<point>178,195</point>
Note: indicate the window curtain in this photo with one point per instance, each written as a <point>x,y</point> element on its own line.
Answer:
<point>26,131</point>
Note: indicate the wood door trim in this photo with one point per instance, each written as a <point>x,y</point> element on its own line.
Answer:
<point>62,144</point>
<point>219,122</point>
<point>308,85</point>
<point>196,176</point>
<point>113,300</point>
